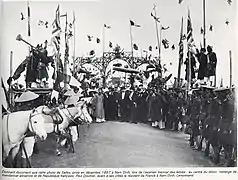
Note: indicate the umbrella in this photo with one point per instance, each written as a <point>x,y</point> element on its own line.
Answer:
<point>27,96</point>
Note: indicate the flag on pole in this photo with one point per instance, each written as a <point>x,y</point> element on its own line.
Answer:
<point>181,46</point>
<point>133,24</point>
<point>190,39</point>
<point>180,1</point>
<point>29,18</point>
<point>56,23</point>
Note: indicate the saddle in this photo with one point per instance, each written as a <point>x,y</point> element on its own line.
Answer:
<point>55,115</point>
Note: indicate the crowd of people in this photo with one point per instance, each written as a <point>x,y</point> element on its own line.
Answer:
<point>207,114</point>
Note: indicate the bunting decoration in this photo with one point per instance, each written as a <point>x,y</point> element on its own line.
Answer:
<point>22,16</point>
<point>135,47</point>
<point>165,43</point>
<point>106,26</point>
<point>133,24</point>
<point>201,30</point>
<point>165,28</point>
<point>180,1</point>
<point>190,39</point>
<point>229,2</point>
<point>210,28</point>
<point>110,44</point>
<point>173,47</point>
<point>92,52</point>
<point>98,40</point>
<point>227,22</point>
<point>89,38</point>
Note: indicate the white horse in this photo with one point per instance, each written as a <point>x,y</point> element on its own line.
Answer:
<point>71,116</point>
<point>14,130</point>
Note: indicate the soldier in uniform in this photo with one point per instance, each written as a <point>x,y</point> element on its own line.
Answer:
<point>194,118</point>
<point>225,129</point>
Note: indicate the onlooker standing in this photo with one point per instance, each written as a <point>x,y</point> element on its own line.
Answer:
<point>211,68</point>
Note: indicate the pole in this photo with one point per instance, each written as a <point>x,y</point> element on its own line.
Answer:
<point>204,23</point>
<point>230,69</point>
<point>103,58</point>
<point>66,52</point>
<point>131,41</point>
<point>157,33</point>
<point>10,88</point>
<point>74,47</point>
<point>180,57</point>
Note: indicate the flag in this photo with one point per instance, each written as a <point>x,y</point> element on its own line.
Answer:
<point>56,23</point>
<point>190,39</point>
<point>181,46</point>
<point>155,18</point>
<point>173,47</point>
<point>135,47</point>
<point>22,16</point>
<point>180,1</point>
<point>165,43</point>
<point>165,28</point>
<point>110,44</point>
<point>106,26</point>
<point>201,30</point>
<point>98,40</point>
<point>29,18</point>
<point>133,24</point>
<point>211,27</point>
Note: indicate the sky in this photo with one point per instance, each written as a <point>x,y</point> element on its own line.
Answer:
<point>91,15</point>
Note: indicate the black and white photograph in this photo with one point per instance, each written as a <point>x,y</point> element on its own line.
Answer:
<point>119,84</point>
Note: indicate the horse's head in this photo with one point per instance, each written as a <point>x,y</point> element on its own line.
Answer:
<point>37,124</point>
<point>83,112</point>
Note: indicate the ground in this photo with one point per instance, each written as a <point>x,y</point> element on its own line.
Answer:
<point>122,145</point>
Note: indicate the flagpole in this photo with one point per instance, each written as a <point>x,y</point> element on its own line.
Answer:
<point>10,87</point>
<point>204,23</point>
<point>157,33</point>
<point>66,52</point>
<point>74,45</point>
<point>103,58</point>
<point>230,69</point>
<point>131,41</point>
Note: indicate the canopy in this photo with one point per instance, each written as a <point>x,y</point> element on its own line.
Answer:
<point>126,70</point>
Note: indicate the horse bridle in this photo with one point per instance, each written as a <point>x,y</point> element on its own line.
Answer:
<point>30,119</point>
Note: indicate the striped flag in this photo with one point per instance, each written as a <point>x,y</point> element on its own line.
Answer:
<point>29,18</point>
<point>56,23</point>
<point>190,39</point>
<point>181,46</point>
